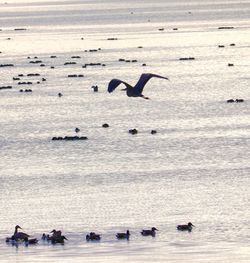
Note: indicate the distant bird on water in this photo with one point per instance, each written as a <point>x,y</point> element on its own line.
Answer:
<point>187,227</point>
<point>19,235</point>
<point>123,235</point>
<point>135,91</point>
<point>149,232</point>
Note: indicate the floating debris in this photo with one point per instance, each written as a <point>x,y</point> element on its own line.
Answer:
<point>190,58</point>
<point>20,29</point>
<point>33,74</point>
<point>6,65</point>
<point>5,87</point>
<point>25,83</point>
<point>69,63</point>
<point>35,61</point>
<point>226,27</point>
<point>75,76</point>
<point>70,138</point>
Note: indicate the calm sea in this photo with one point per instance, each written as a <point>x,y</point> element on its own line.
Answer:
<point>195,168</point>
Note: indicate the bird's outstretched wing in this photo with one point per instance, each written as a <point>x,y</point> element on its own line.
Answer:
<point>114,83</point>
<point>145,77</point>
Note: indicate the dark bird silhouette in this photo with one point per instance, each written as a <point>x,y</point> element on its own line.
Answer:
<point>19,235</point>
<point>93,236</point>
<point>123,235</point>
<point>32,241</point>
<point>56,233</point>
<point>150,232</point>
<point>187,227</point>
<point>58,240</point>
<point>135,91</point>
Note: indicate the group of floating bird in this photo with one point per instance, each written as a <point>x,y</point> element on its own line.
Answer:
<point>56,237</point>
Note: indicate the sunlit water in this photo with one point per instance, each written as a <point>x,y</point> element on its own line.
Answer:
<point>196,168</point>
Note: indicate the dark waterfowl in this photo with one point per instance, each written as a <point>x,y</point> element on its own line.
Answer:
<point>12,241</point>
<point>187,227</point>
<point>135,91</point>
<point>46,237</point>
<point>32,241</point>
<point>149,232</point>
<point>105,125</point>
<point>123,235</point>
<point>95,88</point>
<point>19,235</point>
<point>58,239</point>
<point>93,236</point>
<point>133,131</point>
<point>56,233</point>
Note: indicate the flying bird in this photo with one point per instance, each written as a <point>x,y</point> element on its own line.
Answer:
<point>135,91</point>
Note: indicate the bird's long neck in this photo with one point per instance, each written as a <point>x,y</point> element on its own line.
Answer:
<point>16,230</point>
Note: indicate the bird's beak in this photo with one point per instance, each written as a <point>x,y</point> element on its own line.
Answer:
<point>65,238</point>
<point>193,225</point>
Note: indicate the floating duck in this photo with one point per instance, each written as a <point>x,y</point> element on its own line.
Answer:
<point>123,235</point>
<point>150,232</point>
<point>187,227</point>
<point>105,125</point>
<point>135,91</point>
<point>46,237</point>
<point>58,240</point>
<point>19,235</point>
<point>56,233</point>
<point>95,88</point>
<point>133,131</point>
<point>32,241</point>
<point>93,236</point>
<point>12,241</point>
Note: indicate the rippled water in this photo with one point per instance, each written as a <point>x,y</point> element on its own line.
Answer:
<point>196,168</point>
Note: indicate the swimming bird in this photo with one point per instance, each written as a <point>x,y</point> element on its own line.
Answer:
<point>58,240</point>
<point>123,235</point>
<point>45,237</point>
<point>135,91</point>
<point>19,235</point>
<point>93,236</point>
<point>150,232</point>
<point>32,241</point>
<point>11,240</point>
<point>56,233</point>
<point>187,227</point>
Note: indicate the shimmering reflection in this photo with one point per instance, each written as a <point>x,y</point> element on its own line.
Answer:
<point>195,168</point>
